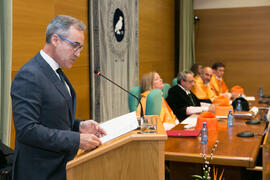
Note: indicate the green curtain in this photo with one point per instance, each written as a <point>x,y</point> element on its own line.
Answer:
<point>5,70</point>
<point>186,36</point>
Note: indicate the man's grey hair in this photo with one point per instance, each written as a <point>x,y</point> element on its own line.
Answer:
<point>183,76</point>
<point>61,24</point>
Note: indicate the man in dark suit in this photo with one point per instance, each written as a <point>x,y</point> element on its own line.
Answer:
<point>44,104</point>
<point>181,100</point>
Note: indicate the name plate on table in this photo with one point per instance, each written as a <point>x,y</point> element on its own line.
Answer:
<point>250,98</point>
<point>243,115</point>
<point>119,126</point>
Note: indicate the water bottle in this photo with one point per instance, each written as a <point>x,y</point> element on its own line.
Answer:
<point>230,119</point>
<point>204,133</point>
<point>238,105</point>
<point>260,92</point>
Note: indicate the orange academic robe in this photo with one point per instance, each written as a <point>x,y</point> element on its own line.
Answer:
<point>201,90</point>
<point>219,86</point>
<point>166,114</point>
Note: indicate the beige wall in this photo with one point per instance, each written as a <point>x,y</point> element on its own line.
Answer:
<point>239,37</point>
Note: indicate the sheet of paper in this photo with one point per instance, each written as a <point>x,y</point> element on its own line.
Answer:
<point>203,104</point>
<point>168,126</point>
<point>119,126</point>
<point>255,110</point>
<point>250,98</point>
<point>191,121</point>
<point>222,117</point>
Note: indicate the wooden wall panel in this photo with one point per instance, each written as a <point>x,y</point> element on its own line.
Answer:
<point>239,37</point>
<point>30,19</point>
<point>156,38</point>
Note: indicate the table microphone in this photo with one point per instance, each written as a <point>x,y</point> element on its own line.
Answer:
<point>98,73</point>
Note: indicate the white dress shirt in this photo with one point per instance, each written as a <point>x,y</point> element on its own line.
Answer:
<point>53,65</point>
<point>193,109</point>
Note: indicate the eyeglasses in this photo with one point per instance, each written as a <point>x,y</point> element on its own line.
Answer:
<point>76,46</point>
<point>189,81</point>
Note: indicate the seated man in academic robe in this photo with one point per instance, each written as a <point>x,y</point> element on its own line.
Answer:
<point>202,88</point>
<point>182,101</point>
<point>217,82</point>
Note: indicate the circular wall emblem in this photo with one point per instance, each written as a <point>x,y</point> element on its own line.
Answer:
<point>119,25</point>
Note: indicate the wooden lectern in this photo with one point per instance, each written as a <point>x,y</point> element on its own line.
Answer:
<point>131,156</point>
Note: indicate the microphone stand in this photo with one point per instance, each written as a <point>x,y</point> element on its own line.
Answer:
<point>99,74</point>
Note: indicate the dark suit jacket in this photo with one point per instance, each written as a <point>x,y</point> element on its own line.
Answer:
<point>46,131</point>
<point>178,100</point>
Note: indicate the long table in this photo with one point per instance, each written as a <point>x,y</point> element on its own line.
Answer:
<point>233,154</point>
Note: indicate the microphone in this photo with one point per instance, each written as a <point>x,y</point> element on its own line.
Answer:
<point>98,73</point>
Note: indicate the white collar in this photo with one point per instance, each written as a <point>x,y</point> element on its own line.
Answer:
<point>49,60</point>
<point>187,91</point>
<point>218,78</point>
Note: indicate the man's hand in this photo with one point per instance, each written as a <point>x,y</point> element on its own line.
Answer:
<point>227,94</point>
<point>88,142</point>
<point>212,108</point>
<point>92,127</point>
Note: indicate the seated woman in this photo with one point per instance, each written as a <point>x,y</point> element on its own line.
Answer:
<point>152,81</point>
